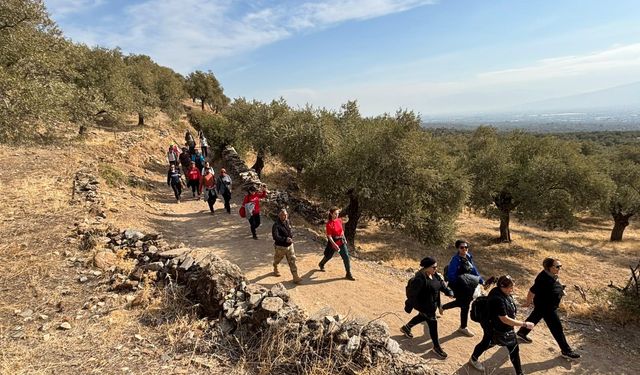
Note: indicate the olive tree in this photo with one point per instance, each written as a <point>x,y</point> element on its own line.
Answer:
<point>624,202</point>
<point>538,178</point>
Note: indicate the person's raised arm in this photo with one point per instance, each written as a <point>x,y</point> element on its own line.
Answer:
<point>515,323</point>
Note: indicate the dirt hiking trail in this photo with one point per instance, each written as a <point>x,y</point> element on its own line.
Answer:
<point>376,293</point>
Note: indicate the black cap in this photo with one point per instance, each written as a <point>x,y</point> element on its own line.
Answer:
<point>427,262</point>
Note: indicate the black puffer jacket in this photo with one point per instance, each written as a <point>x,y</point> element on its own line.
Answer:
<point>423,293</point>
<point>280,231</point>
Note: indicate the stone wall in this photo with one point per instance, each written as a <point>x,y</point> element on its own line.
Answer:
<point>276,199</point>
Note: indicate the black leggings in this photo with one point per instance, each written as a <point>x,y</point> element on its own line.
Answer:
<point>177,190</point>
<point>431,322</point>
<point>227,198</point>
<point>211,199</point>
<point>195,185</point>
<point>463,304</point>
<point>553,322</point>
<point>205,151</point>
<point>254,223</point>
<point>485,343</point>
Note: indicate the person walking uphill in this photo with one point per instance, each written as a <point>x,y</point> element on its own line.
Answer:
<point>463,277</point>
<point>251,205</point>
<point>223,187</point>
<point>546,294</point>
<point>423,292</point>
<point>498,327</point>
<point>336,242</point>
<point>208,187</point>
<point>193,179</point>
<point>283,245</point>
<point>174,179</point>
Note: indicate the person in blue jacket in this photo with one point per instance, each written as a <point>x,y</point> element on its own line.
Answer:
<point>463,277</point>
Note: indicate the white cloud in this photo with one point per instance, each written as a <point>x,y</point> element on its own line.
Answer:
<point>185,34</point>
<point>487,91</point>
<point>65,8</point>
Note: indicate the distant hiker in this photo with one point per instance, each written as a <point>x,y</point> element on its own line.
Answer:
<point>423,292</point>
<point>172,156</point>
<point>283,245</point>
<point>207,166</point>
<point>463,278</point>
<point>208,188</point>
<point>190,142</point>
<point>174,179</point>
<point>498,328</point>
<point>193,179</point>
<point>204,145</point>
<point>198,159</point>
<point>546,294</point>
<point>336,242</point>
<point>223,186</point>
<point>185,159</point>
<point>251,205</point>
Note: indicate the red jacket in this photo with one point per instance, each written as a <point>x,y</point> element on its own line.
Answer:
<point>193,174</point>
<point>255,198</point>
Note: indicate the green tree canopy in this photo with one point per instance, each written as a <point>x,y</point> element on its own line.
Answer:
<point>205,86</point>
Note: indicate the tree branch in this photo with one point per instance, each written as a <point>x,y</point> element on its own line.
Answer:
<point>9,26</point>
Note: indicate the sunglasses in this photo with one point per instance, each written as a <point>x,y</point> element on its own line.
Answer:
<point>434,266</point>
<point>558,266</point>
<point>464,247</point>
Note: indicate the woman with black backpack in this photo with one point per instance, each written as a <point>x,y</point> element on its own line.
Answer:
<point>464,278</point>
<point>498,327</point>
<point>423,294</point>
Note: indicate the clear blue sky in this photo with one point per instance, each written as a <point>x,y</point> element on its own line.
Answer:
<point>434,57</point>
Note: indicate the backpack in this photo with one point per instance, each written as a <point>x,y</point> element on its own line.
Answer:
<point>408,306</point>
<point>480,309</point>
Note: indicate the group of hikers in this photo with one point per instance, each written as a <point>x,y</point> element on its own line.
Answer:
<point>496,312</point>
<point>200,176</point>
<point>461,282</point>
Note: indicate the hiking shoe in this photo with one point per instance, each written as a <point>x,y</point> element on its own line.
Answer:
<point>466,331</point>
<point>524,338</point>
<point>476,364</point>
<point>406,331</point>
<point>350,277</point>
<point>297,280</point>
<point>321,266</point>
<point>570,355</point>
<point>439,352</point>
<point>255,237</point>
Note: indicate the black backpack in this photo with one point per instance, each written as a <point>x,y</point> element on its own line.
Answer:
<point>480,309</point>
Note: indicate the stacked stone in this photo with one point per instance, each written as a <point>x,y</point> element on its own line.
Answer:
<point>247,311</point>
<point>85,189</point>
<point>311,212</point>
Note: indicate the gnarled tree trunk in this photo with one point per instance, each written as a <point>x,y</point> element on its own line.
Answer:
<point>504,202</point>
<point>621,221</point>
<point>259,164</point>
<point>353,212</point>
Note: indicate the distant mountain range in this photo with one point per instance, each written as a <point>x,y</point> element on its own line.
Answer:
<point>625,97</point>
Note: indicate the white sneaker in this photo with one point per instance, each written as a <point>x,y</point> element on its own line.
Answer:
<point>466,331</point>
<point>476,364</point>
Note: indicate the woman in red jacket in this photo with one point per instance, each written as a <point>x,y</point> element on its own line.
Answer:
<point>336,242</point>
<point>208,186</point>
<point>251,203</point>
<point>193,179</point>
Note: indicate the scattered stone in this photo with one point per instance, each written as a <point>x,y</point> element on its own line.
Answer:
<point>64,326</point>
<point>392,346</point>
<point>105,259</point>
<point>279,290</point>
<point>353,343</point>
<point>272,304</point>
<point>26,313</point>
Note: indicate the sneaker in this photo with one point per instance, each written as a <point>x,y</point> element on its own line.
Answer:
<point>524,338</point>
<point>350,277</point>
<point>476,364</point>
<point>466,331</point>
<point>570,355</point>
<point>439,352</point>
<point>255,237</point>
<point>406,331</point>
<point>321,266</point>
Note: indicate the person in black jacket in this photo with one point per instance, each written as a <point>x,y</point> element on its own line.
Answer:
<point>498,329</point>
<point>283,245</point>
<point>546,294</point>
<point>423,294</point>
<point>174,179</point>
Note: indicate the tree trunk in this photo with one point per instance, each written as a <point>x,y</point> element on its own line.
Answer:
<point>353,212</point>
<point>140,119</point>
<point>259,164</point>
<point>202,104</point>
<point>505,233</point>
<point>504,202</point>
<point>620,224</point>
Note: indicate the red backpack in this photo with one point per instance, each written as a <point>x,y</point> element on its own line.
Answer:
<point>242,211</point>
